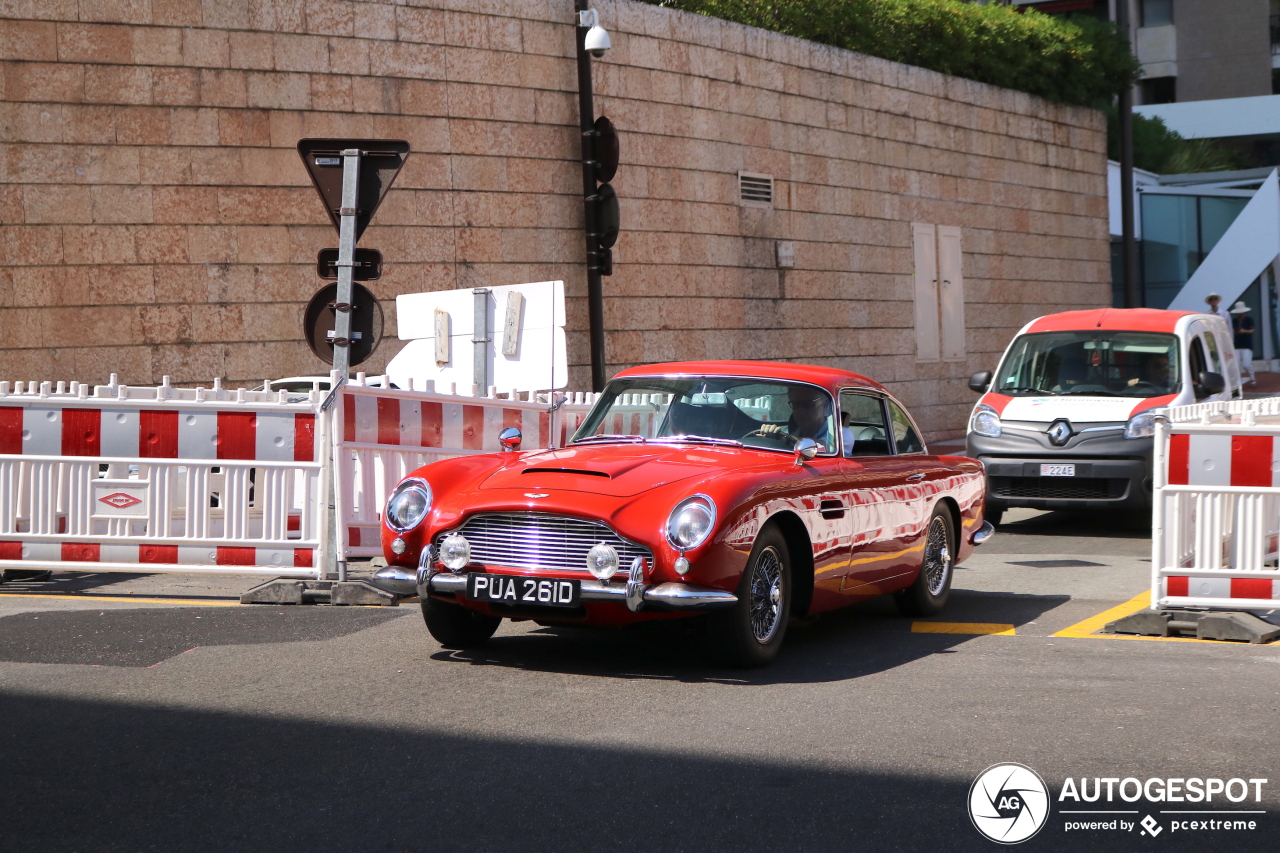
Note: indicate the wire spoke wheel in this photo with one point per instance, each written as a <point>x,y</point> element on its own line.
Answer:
<point>937,557</point>
<point>766,595</point>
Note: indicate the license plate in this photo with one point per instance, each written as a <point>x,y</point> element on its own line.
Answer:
<point>1057,470</point>
<point>517,590</point>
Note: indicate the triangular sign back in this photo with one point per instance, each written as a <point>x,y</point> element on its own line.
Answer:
<point>380,162</point>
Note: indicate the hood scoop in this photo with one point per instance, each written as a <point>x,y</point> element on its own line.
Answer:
<point>583,471</point>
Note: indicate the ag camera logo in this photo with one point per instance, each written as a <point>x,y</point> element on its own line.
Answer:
<point>1008,803</point>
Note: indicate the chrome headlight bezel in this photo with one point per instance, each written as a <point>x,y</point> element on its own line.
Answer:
<point>676,532</point>
<point>985,421</point>
<point>1143,424</point>
<point>412,486</point>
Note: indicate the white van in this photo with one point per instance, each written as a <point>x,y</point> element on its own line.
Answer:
<point>1067,420</point>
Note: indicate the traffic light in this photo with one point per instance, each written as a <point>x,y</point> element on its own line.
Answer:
<point>602,203</point>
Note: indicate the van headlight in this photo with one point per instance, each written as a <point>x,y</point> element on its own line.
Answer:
<point>690,522</point>
<point>408,505</point>
<point>1143,424</point>
<point>985,421</point>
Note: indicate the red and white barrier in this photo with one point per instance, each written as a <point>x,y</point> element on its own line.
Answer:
<point>160,479</point>
<point>386,433</point>
<point>1216,518</point>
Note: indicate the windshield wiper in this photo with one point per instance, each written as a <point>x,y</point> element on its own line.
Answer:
<point>1091,393</point>
<point>1018,388</point>
<point>607,437</point>
<point>704,439</point>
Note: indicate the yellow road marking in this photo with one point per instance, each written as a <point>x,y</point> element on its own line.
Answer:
<point>962,628</point>
<point>1088,628</point>
<point>134,599</point>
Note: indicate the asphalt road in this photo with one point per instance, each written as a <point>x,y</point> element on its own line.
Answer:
<point>173,726</point>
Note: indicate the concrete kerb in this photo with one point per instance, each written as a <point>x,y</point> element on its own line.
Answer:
<point>1204,625</point>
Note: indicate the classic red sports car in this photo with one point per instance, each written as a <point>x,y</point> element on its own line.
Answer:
<point>746,492</point>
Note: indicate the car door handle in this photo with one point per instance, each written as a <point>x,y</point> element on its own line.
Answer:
<point>915,478</point>
<point>832,509</point>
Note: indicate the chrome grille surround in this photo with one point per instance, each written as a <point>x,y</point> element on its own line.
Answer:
<point>541,541</point>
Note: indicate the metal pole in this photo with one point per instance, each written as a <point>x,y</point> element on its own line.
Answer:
<point>595,288</point>
<point>346,262</point>
<point>1129,247</point>
<point>480,341</point>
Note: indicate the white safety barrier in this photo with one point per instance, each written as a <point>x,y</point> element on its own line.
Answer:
<point>1216,516</point>
<point>161,479</point>
<point>164,479</point>
<point>385,433</point>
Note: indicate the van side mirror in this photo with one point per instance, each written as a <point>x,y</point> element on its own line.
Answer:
<point>980,381</point>
<point>1211,383</point>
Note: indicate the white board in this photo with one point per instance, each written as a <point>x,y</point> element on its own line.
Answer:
<point>539,362</point>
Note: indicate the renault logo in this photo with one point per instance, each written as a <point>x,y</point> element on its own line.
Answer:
<point>1059,432</point>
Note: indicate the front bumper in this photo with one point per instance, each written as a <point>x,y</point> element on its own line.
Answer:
<point>1112,472</point>
<point>632,592</point>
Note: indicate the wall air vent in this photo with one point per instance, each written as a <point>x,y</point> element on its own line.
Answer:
<point>755,190</point>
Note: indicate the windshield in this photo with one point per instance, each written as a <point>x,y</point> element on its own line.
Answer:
<point>752,412</point>
<point>1103,363</point>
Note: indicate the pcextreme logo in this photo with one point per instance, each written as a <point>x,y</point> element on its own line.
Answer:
<point>1008,803</point>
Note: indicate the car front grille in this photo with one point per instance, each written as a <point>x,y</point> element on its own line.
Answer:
<point>542,541</point>
<point>1060,488</point>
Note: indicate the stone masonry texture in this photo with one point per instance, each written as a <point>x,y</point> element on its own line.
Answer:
<point>155,218</point>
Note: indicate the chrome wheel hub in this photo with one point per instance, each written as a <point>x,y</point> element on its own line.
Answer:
<point>766,595</point>
<point>937,557</point>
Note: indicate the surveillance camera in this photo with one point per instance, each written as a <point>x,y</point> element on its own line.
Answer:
<point>597,40</point>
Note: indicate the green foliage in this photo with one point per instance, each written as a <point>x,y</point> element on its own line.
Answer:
<point>1158,149</point>
<point>1078,60</point>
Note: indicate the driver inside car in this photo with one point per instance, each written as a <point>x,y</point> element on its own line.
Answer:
<point>1155,372</point>
<point>810,418</point>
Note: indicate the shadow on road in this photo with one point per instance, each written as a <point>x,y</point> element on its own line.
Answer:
<point>87,775</point>
<point>861,640</point>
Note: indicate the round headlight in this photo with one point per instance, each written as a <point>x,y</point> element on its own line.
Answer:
<point>602,561</point>
<point>985,421</point>
<point>1143,424</point>
<point>690,522</point>
<point>455,552</point>
<point>408,505</point>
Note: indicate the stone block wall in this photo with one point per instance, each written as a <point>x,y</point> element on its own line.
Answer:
<point>155,218</point>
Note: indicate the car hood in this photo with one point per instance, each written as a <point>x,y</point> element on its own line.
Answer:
<point>1078,409</point>
<point>617,470</point>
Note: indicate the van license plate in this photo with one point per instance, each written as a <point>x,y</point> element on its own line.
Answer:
<point>1057,470</point>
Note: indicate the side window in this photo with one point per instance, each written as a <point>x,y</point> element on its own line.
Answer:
<point>904,435</point>
<point>1198,365</point>
<point>862,425</point>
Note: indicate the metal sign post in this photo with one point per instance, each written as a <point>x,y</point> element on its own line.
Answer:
<point>346,260</point>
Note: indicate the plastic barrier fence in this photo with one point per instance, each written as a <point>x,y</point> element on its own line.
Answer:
<point>161,480</point>
<point>386,433</point>
<point>1216,515</point>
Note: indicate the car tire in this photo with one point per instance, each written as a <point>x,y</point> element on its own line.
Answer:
<point>993,514</point>
<point>928,594</point>
<point>749,634</point>
<point>455,627</point>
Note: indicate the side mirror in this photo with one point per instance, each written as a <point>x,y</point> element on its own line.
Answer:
<point>980,381</point>
<point>1211,383</point>
<point>806,449</point>
<point>509,438</point>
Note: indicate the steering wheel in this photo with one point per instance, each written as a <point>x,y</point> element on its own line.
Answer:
<point>782,436</point>
<point>1145,384</point>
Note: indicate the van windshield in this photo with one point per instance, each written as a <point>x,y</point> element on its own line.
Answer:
<point>1102,363</point>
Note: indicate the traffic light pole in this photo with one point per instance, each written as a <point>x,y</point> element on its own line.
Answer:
<point>346,262</point>
<point>595,286</point>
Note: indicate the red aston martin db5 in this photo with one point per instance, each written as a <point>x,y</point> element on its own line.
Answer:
<point>745,492</point>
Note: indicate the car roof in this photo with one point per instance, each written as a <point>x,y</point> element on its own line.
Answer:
<point>831,378</point>
<point>1112,319</point>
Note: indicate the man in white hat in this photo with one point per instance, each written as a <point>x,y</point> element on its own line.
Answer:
<point>1242,326</point>
<point>1212,301</point>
